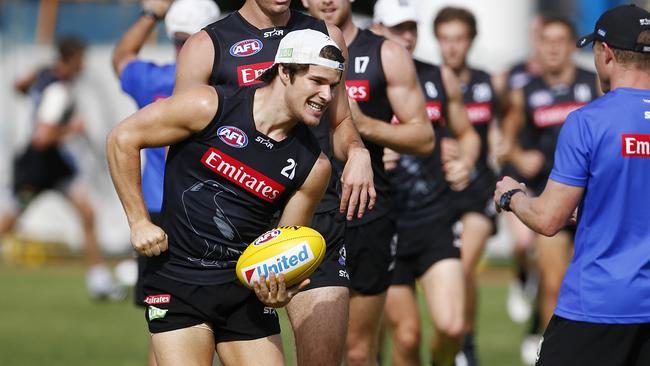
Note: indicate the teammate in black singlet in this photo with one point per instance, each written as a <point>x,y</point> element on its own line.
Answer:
<point>532,127</point>
<point>45,164</point>
<point>426,249</point>
<point>222,190</point>
<point>381,82</point>
<point>233,52</point>
<point>455,29</point>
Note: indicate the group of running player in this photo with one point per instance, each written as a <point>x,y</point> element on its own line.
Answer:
<point>398,175</point>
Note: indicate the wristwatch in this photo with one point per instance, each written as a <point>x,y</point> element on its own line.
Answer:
<point>504,201</point>
<point>150,13</point>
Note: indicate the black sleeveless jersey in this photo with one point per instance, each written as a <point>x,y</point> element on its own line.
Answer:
<point>519,76</point>
<point>365,82</point>
<point>481,105</point>
<point>547,107</point>
<point>419,185</point>
<point>222,189</point>
<point>243,52</point>
<point>45,78</point>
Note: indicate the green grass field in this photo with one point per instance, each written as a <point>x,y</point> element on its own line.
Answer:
<point>47,319</point>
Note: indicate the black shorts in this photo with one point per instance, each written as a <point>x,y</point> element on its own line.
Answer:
<point>332,271</point>
<point>370,255</point>
<point>143,260</point>
<point>232,310</point>
<point>35,171</point>
<point>419,247</point>
<point>573,343</point>
<point>477,201</point>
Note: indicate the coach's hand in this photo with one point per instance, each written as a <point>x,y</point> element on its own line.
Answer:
<point>276,294</point>
<point>504,185</point>
<point>148,239</point>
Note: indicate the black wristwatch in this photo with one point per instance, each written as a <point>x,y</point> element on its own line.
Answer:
<point>504,201</point>
<point>150,13</point>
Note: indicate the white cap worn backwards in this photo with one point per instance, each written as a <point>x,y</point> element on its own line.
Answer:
<point>190,16</point>
<point>393,12</point>
<point>303,47</point>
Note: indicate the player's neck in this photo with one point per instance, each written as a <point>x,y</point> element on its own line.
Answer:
<point>564,76</point>
<point>463,73</point>
<point>349,31</point>
<point>270,113</point>
<point>60,70</point>
<point>259,19</point>
<point>630,78</point>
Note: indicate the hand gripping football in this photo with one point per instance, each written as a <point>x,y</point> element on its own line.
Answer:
<point>295,251</point>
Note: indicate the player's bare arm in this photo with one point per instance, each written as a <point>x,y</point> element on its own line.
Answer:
<point>358,189</point>
<point>194,62</point>
<point>527,162</point>
<point>159,124</point>
<point>413,135</point>
<point>546,214</point>
<point>458,156</point>
<point>299,210</point>
<point>129,46</point>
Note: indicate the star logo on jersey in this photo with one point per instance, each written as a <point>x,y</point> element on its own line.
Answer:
<point>274,33</point>
<point>232,136</point>
<point>247,47</point>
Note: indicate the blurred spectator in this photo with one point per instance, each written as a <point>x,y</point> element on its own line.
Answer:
<point>44,164</point>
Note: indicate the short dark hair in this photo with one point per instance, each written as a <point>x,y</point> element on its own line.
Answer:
<point>328,52</point>
<point>70,46</point>
<point>552,19</point>
<point>450,13</point>
<point>632,58</point>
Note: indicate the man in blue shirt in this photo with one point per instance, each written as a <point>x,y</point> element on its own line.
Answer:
<point>147,82</point>
<point>602,169</point>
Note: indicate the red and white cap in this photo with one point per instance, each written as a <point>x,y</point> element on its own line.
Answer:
<point>393,12</point>
<point>190,16</point>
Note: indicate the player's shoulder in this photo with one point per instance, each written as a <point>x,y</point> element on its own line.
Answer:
<point>480,75</point>
<point>226,21</point>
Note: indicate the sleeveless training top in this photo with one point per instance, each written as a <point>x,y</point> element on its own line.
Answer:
<point>243,52</point>
<point>222,189</point>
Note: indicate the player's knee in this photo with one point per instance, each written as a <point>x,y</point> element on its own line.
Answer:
<point>407,339</point>
<point>452,328</point>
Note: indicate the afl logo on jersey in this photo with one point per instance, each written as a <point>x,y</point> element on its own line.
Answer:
<point>247,47</point>
<point>232,136</point>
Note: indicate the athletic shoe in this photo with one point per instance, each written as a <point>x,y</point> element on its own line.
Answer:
<point>529,347</point>
<point>518,304</point>
<point>102,286</point>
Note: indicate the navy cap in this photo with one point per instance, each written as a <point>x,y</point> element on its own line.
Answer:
<point>619,27</point>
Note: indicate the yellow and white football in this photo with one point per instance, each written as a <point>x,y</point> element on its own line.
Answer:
<point>295,251</point>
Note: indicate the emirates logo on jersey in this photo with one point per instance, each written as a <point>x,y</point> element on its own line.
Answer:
<point>434,112</point>
<point>247,74</point>
<point>479,113</point>
<point>358,90</point>
<point>247,47</point>
<point>554,115</point>
<point>242,175</point>
<point>635,145</point>
<point>232,136</point>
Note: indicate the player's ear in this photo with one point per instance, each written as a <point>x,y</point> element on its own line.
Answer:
<point>283,74</point>
<point>305,3</point>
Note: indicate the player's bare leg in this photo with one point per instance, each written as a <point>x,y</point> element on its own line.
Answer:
<point>319,318</point>
<point>263,351</point>
<point>404,321</point>
<point>80,199</point>
<point>193,346</point>
<point>553,256</point>
<point>476,230</point>
<point>362,341</point>
<point>444,291</point>
<point>519,302</point>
